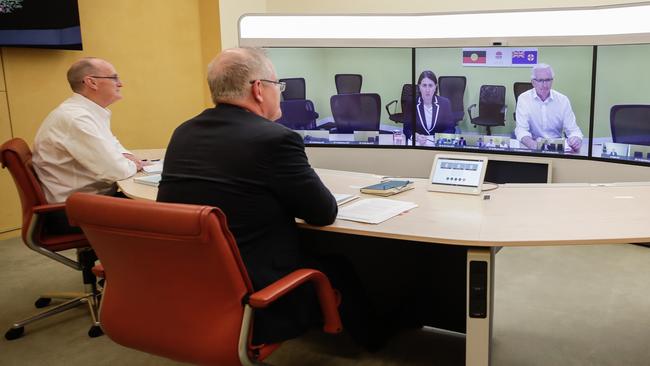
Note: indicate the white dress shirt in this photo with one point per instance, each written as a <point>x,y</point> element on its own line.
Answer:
<point>546,119</point>
<point>75,151</point>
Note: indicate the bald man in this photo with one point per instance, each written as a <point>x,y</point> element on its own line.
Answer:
<point>74,149</point>
<point>234,157</point>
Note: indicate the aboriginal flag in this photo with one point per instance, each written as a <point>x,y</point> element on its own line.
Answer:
<point>474,57</point>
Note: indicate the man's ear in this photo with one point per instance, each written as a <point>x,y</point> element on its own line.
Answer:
<point>90,83</point>
<point>256,90</point>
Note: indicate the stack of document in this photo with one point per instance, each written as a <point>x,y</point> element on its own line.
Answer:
<point>374,210</point>
<point>342,198</point>
<point>150,180</point>
<point>156,167</point>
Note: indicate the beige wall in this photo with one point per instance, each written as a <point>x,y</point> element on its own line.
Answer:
<point>230,11</point>
<point>9,202</point>
<point>159,48</point>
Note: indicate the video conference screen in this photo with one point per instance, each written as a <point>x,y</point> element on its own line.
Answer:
<point>524,100</point>
<point>622,104</point>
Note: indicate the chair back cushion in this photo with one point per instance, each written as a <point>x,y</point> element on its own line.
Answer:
<point>491,102</point>
<point>174,278</point>
<point>348,83</point>
<point>17,158</point>
<point>453,88</point>
<point>630,123</point>
<point>356,112</point>
<point>519,87</point>
<point>298,114</point>
<point>295,89</point>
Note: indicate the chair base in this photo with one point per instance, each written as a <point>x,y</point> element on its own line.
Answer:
<point>74,299</point>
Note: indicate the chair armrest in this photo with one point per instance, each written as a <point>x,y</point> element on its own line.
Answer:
<point>326,295</point>
<point>469,111</point>
<point>48,208</point>
<point>388,106</point>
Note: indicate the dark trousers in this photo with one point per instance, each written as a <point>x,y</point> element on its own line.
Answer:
<point>56,223</point>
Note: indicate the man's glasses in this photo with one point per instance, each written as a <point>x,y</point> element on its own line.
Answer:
<point>115,78</point>
<point>281,84</point>
<point>541,81</point>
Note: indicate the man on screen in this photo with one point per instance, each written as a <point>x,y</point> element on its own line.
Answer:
<point>545,113</point>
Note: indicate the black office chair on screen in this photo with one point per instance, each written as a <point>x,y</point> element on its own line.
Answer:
<point>298,114</point>
<point>295,89</point>
<point>356,112</point>
<point>630,123</point>
<point>518,88</point>
<point>406,100</point>
<point>491,107</point>
<point>453,88</point>
<point>348,83</point>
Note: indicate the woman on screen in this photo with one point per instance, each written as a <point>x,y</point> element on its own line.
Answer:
<point>432,112</point>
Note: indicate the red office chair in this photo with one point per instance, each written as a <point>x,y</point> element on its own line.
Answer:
<point>176,285</point>
<point>16,156</point>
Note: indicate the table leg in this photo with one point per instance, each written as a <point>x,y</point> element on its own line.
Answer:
<point>480,300</point>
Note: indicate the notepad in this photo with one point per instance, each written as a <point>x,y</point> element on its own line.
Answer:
<point>153,168</point>
<point>150,180</point>
<point>374,210</point>
<point>388,188</point>
<point>342,199</point>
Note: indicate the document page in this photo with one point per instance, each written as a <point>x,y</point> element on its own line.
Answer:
<point>374,210</point>
<point>342,198</point>
<point>150,180</point>
<point>156,167</point>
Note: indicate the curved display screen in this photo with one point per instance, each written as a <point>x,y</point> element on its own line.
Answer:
<point>521,100</point>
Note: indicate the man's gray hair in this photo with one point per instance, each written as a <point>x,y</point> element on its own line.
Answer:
<point>229,77</point>
<point>541,66</point>
<point>79,70</point>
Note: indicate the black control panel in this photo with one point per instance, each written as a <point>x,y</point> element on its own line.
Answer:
<point>478,289</point>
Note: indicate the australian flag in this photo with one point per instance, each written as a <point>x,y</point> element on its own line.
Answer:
<point>524,57</point>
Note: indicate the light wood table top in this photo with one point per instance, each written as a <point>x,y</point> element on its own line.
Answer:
<point>514,215</point>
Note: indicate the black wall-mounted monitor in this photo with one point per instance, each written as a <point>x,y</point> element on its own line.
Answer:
<point>40,24</point>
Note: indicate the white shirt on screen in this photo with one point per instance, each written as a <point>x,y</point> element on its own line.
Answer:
<point>546,119</point>
<point>75,151</point>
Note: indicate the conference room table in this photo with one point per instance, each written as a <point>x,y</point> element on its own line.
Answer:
<point>510,215</point>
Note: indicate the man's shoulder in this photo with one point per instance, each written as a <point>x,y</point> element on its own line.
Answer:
<point>558,96</point>
<point>238,123</point>
<point>528,93</point>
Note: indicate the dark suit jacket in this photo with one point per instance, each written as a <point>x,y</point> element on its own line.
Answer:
<point>257,172</point>
<point>442,118</point>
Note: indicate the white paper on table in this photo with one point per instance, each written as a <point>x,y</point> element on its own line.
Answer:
<point>342,198</point>
<point>374,210</point>
<point>153,168</point>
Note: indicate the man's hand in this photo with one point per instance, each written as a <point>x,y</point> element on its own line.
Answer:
<point>575,143</point>
<point>138,163</point>
<point>529,142</point>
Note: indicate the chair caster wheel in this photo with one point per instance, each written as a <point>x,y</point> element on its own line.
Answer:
<point>95,331</point>
<point>42,302</point>
<point>14,333</point>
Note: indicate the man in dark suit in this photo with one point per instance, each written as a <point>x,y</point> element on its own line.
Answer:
<point>234,157</point>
